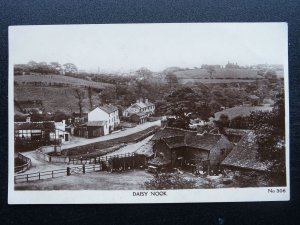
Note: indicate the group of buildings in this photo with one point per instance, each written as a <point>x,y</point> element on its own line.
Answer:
<point>100,121</point>
<point>203,152</point>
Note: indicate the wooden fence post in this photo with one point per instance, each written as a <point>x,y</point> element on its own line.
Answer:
<point>83,168</point>
<point>27,177</point>
<point>68,171</point>
<point>39,175</point>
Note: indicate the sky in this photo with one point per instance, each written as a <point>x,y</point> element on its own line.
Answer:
<point>128,47</point>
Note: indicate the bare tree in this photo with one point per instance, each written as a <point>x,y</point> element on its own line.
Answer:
<point>90,95</point>
<point>79,95</point>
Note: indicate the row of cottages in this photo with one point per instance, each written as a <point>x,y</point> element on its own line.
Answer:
<point>101,121</point>
<point>140,111</point>
<point>30,135</point>
<point>174,147</point>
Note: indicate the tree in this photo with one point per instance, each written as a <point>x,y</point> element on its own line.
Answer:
<point>70,68</point>
<point>90,95</point>
<point>171,79</point>
<point>165,181</point>
<point>184,103</point>
<point>269,128</point>
<point>79,95</point>
<point>210,70</point>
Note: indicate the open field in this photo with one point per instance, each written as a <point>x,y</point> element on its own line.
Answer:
<point>59,79</point>
<point>241,111</point>
<point>215,81</point>
<point>223,73</point>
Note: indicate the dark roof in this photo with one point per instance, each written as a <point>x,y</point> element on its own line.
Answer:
<point>245,155</point>
<point>95,123</point>
<point>175,137</point>
<point>109,108</point>
<point>175,141</point>
<point>206,141</point>
<point>168,132</point>
<point>46,125</point>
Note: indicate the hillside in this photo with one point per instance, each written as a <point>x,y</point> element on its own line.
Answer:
<point>53,98</point>
<point>58,80</point>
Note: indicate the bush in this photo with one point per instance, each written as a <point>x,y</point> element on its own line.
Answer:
<point>169,181</point>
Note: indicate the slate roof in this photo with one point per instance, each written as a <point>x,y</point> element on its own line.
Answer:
<point>175,137</point>
<point>244,155</point>
<point>206,141</point>
<point>109,108</point>
<point>168,132</point>
<point>46,125</point>
<point>95,123</point>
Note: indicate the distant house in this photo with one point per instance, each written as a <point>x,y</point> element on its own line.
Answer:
<point>175,147</point>
<point>106,113</point>
<point>140,107</point>
<point>244,156</point>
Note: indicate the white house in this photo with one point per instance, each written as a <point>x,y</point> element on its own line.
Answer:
<point>60,132</point>
<point>140,106</point>
<point>107,113</point>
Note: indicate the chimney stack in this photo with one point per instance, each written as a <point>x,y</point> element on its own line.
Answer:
<point>28,119</point>
<point>146,100</point>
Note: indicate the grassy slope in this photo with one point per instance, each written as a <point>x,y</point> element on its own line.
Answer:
<point>219,75</point>
<point>58,79</point>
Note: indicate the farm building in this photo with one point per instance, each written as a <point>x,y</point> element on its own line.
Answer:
<point>140,107</point>
<point>139,118</point>
<point>31,135</point>
<point>107,113</point>
<point>175,147</point>
<point>244,156</point>
<point>92,129</point>
<point>144,154</point>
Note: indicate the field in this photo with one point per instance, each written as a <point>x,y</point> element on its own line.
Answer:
<point>219,74</point>
<point>241,111</point>
<point>54,98</point>
<point>215,81</point>
<point>59,80</point>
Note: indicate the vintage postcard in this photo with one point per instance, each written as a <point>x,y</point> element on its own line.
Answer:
<point>148,113</point>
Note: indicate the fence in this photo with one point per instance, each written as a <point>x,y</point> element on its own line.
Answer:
<point>43,153</point>
<point>25,166</point>
<point>100,159</point>
<point>57,173</point>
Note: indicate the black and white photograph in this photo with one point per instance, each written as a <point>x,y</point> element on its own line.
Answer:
<point>148,113</point>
